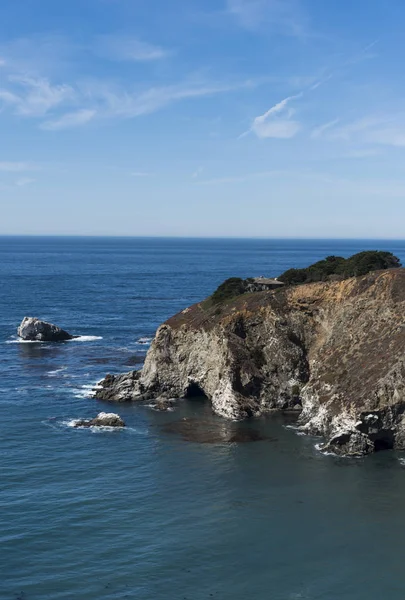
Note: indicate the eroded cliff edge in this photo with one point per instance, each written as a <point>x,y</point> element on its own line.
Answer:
<point>336,349</point>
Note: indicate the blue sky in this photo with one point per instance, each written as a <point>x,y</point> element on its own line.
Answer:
<point>202,118</point>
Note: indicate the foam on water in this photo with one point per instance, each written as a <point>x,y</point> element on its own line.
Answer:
<point>145,341</point>
<point>297,430</point>
<point>86,390</point>
<point>20,341</point>
<point>56,372</point>
<point>60,424</point>
<point>86,338</point>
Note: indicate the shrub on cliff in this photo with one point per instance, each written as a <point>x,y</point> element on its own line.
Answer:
<point>358,264</point>
<point>367,261</point>
<point>229,289</point>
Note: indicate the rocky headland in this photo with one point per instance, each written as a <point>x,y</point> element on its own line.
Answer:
<point>334,351</point>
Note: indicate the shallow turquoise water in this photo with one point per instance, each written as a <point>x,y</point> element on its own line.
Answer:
<point>144,513</point>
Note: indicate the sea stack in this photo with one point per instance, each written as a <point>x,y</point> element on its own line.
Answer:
<point>35,330</point>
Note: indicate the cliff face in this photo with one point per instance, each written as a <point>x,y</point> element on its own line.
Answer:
<point>336,349</point>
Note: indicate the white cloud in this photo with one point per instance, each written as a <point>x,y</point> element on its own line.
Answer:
<point>17,167</point>
<point>319,131</point>
<point>281,16</point>
<point>125,104</point>
<point>116,47</point>
<point>33,97</point>
<point>61,104</point>
<point>276,122</point>
<point>69,120</point>
<point>385,130</point>
<point>24,181</point>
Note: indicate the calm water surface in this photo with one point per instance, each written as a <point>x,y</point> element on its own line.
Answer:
<point>145,513</point>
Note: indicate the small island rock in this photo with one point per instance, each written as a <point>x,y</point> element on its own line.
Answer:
<point>102,420</point>
<point>35,330</point>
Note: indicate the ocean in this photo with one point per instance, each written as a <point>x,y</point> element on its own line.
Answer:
<point>152,512</point>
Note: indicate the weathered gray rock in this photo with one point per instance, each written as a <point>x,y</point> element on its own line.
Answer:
<point>39,331</point>
<point>102,420</point>
<point>120,388</point>
<point>336,348</point>
<point>163,404</point>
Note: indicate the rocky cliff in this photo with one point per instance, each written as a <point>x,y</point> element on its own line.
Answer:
<point>335,351</point>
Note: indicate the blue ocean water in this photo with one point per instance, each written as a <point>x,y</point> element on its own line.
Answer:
<point>143,513</point>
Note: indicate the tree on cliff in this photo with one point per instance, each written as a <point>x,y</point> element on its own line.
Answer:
<point>336,266</point>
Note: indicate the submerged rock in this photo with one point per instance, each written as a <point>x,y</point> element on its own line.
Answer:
<point>102,420</point>
<point>35,330</point>
<point>163,404</point>
<point>335,348</point>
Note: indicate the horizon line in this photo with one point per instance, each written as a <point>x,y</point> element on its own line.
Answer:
<point>187,237</point>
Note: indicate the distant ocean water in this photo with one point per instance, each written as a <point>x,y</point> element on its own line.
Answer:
<point>144,513</point>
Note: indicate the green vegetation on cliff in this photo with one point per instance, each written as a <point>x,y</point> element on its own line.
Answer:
<point>234,286</point>
<point>330,268</point>
<point>336,267</point>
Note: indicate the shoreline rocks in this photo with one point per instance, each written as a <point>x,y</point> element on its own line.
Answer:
<point>102,420</point>
<point>35,330</point>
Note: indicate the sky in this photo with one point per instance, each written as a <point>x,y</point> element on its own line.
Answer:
<point>239,118</point>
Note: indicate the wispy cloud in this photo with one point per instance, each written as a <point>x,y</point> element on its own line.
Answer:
<point>121,103</point>
<point>277,122</point>
<point>281,16</point>
<point>385,130</point>
<point>197,172</point>
<point>140,174</point>
<point>17,167</point>
<point>38,54</point>
<point>381,130</point>
<point>33,97</point>
<point>241,178</point>
<point>73,105</point>
<point>69,120</point>
<point>24,181</point>
<point>124,48</point>
<point>320,130</point>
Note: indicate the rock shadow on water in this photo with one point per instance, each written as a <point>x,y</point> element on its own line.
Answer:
<point>204,431</point>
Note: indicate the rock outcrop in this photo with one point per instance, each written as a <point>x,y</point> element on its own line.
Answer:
<point>102,420</point>
<point>35,330</point>
<point>336,349</point>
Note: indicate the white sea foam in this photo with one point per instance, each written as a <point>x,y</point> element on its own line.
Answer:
<point>145,341</point>
<point>401,462</point>
<point>86,338</point>
<point>19,341</point>
<point>330,453</point>
<point>56,372</point>
<point>296,429</point>
<point>319,447</point>
<point>80,338</point>
<point>155,408</point>
<point>86,390</point>
<point>57,424</point>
